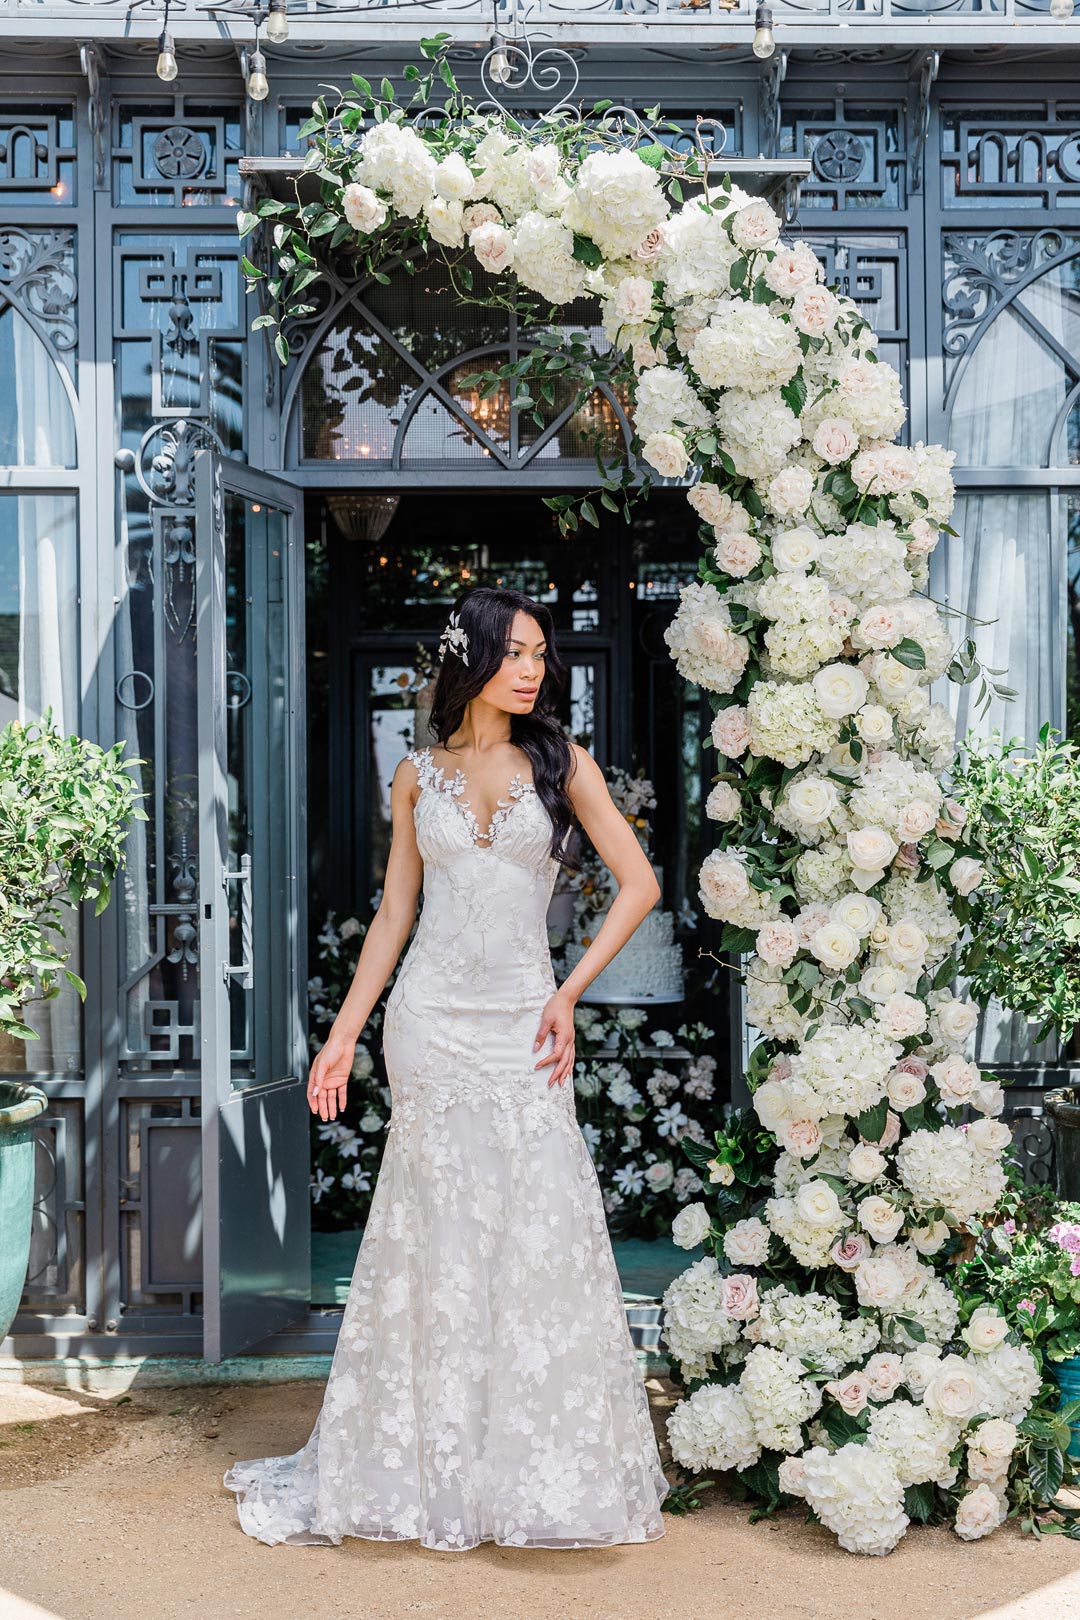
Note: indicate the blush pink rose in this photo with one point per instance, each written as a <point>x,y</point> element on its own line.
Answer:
<point>739,1296</point>
<point>731,731</point>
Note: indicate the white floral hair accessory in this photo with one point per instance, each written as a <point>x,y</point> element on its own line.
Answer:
<point>455,638</point>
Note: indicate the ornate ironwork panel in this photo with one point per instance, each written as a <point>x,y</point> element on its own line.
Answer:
<point>186,155</point>
<point>37,153</point>
<point>858,153</point>
<point>1019,157</point>
<point>160,1206</point>
<point>56,1274</point>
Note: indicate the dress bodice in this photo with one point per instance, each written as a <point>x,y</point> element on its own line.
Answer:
<point>447,829</point>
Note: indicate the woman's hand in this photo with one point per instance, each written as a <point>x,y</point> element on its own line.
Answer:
<point>330,1075</point>
<point>558,1017</point>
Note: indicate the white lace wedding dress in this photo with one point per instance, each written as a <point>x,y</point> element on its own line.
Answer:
<point>484,1386</point>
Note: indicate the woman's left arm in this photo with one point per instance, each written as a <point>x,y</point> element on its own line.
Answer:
<point>638,892</point>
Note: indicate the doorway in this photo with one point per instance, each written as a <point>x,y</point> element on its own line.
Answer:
<point>383,571</point>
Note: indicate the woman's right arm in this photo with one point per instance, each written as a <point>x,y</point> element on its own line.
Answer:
<point>387,933</point>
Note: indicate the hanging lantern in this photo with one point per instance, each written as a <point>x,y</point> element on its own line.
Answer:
<point>363,516</point>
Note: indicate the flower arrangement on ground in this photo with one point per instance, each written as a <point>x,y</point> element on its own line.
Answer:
<point>825,1355</point>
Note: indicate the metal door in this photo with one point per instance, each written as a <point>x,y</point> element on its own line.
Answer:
<point>252,922</point>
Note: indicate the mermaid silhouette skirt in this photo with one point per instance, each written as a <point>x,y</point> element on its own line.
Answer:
<point>484,1386</point>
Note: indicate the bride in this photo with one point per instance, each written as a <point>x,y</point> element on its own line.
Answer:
<point>484,1386</point>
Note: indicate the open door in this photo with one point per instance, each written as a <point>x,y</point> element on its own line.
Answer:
<point>252,904</point>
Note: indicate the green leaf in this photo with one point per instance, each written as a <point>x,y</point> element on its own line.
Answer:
<point>1046,1470</point>
<point>362,85</point>
<point>793,393</point>
<point>245,224</point>
<point>586,252</point>
<point>872,1121</point>
<point>281,349</point>
<point>653,155</point>
<point>75,982</point>
<point>909,653</point>
<point>737,274</point>
<point>919,1501</point>
<point>588,512</point>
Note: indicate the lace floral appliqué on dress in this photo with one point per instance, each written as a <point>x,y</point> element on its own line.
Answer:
<point>484,1386</point>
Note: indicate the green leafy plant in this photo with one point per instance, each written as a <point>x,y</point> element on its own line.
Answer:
<point>1024,822</point>
<point>65,808</point>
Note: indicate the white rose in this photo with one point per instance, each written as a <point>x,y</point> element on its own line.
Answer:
<point>957,1079</point>
<point>633,300</point>
<point>856,911</point>
<point>754,227</point>
<point>778,942</point>
<point>790,491</point>
<point>979,1512</point>
<point>915,820</point>
<point>795,549</point>
<point>736,553</point>
<point>907,944</point>
<point>363,209</point>
<point>880,1282</point>
<point>905,1090</point>
<point>660,1174</point>
<point>989,1136</point>
<point>542,166</point>
<point>985,1331</point>
<point>996,1438</point>
<point>840,689</point>
<point>880,1218</point>
<point>871,848</point>
<point>835,440</point>
<point>812,800</point>
<point>815,311</point>
<point>747,1242</point>
<point>879,628</point>
<point>865,1163</point>
<point>453,177</point>
<point>965,875</point>
<point>851,1393</point>
<point>667,453</point>
<point>801,1137</point>
<point>477,214</point>
<point>771,1104</point>
<point>835,945</point>
<point>874,725</point>
<point>929,1239</point>
<point>902,1016</point>
<point>714,506</point>
<point>493,246</point>
<point>818,1205</point>
<point>954,1390</point>
<point>723,803</point>
<point>956,1019</point>
<point>691,1226</point>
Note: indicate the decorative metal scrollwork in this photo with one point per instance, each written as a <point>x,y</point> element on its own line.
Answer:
<point>180,153</point>
<point>172,465</point>
<point>37,272</point>
<point>839,155</point>
<point>981,269</point>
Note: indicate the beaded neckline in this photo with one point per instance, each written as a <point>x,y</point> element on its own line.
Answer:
<point>435,776</point>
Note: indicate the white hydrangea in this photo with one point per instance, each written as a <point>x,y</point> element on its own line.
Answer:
<point>616,200</point>
<point>778,1398</point>
<point>665,398</point>
<point>768,1004</point>
<point>856,1493</point>
<point>933,480</point>
<point>842,1069</point>
<point>940,1168</point>
<point>695,1321</point>
<point>392,157</point>
<point>712,1428</point>
<point>810,1245</point>
<point>866,562</point>
<point>812,1327</point>
<point>707,649</point>
<point>544,258</point>
<point>758,431</point>
<point>787,722</point>
<point>1010,1378</point>
<point>745,346</point>
<point>916,1440</point>
<point>696,255</point>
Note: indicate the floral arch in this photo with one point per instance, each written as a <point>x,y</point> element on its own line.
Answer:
<point>824,1352</point>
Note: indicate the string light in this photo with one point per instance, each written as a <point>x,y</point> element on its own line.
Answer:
<point>277,26</point>
<point>764,43</point>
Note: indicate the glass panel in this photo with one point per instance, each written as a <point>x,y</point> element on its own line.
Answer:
<point>37,428</point>
<point>37,153</point>
<point>430,319</point>
<point>188,159</point>
<point>392,731</point>
<point>1072,662</point>
<point>39,669</point>
<point>438,438</point>
<point>239,763</point>
<point>1034,343</point>
<point>355,391</point>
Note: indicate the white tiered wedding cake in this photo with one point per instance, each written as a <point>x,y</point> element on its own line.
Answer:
<point>648,968</point>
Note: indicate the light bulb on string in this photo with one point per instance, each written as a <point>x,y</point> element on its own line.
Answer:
<point>165,67</point>
<point>1061,10</point>
<point>277,25</point>
<point>764,43</point>
<point>258,85</point>
<point>499,70</point>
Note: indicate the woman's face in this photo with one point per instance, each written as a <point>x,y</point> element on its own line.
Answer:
<point>515,686</point>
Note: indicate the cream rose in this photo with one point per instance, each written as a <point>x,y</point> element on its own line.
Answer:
<point>747,1242</point>
<point>795,549</point>
<point>363,209</point>
<point>453,178</point>
<point>979,1512</point>
<point>835,440</point>
<point>954,1391</point>
<point>859,912</point>
<point>790,491</point>
<point>874,724</point>
<point>691,1226</point>
<point>996,1439</point>
<point>851,1393</point>
<point>840,689</point>
<point>493,246</point>
<point>835,945</point>
<point>736,553</point>
<point>865,1163</point>
<point>739,1296</point>
<point>989,1136</point>
<point>915,820</point>
<point>985,1331</point>
<point>667,454</point>
<point>886,1373</point>
<point>818,1205</point>
<point>815,311</point>
<point>902,1016</point>
<point>929,1239</point>
<point>812,800</point>
<point>871,848</point>
<point>880,1218</point>
<point>965,875</point>
<point>771,1104</point>
<point>755,227</point>
<point>904,1090</point>
<point>731,731</point>
<point>801,1137</point>
<point>778,942</point>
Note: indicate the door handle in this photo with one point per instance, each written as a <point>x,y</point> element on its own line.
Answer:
<point>244,970</point>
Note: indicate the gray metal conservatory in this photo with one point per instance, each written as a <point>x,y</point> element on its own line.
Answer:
<point>166,490</point>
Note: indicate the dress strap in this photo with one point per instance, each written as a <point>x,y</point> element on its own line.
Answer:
<point>424,764</point>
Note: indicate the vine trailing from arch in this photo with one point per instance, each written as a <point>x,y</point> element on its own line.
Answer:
<point>824,1352</point>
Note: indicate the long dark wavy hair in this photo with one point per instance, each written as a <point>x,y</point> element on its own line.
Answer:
<point>486,614</point>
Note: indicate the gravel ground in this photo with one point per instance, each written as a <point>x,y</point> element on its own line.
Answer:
<point>113,1509</point>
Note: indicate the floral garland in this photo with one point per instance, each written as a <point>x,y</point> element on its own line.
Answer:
<point>819,1339</point>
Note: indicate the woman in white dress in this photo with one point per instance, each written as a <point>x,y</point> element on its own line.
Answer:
<point>484,1386</point>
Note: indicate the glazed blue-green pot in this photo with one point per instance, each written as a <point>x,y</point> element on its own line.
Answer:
<point>20,1105</point>
<point>1067,1376</point>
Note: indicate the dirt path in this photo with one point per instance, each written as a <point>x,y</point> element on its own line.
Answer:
<point>113,1509</point>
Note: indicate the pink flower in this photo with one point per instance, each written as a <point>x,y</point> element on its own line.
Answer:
<point>1027,1305</point>
<point>1010,1227</point>
<point>1074,1265</point>
<point>739,1295</point>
